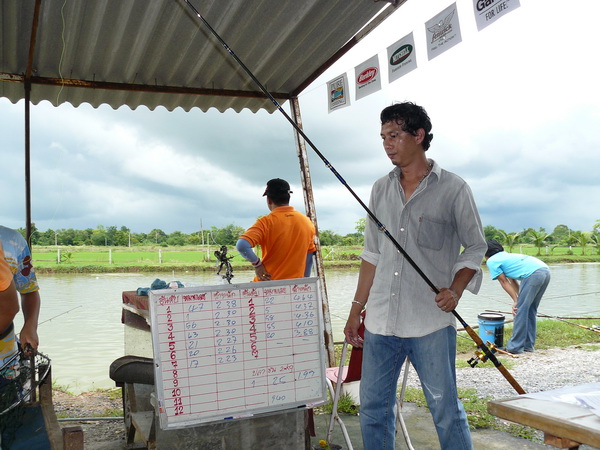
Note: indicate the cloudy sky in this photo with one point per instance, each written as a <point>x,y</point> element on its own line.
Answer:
<point>515,111</point>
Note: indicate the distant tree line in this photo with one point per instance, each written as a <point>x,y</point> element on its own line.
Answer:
<point>562,235</point>
<point>112,236</point>
<point>124,237</point>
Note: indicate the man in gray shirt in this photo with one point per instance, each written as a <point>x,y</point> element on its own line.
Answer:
<point>432,214</point>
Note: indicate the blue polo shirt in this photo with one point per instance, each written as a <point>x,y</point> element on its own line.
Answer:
<point>513,265</point>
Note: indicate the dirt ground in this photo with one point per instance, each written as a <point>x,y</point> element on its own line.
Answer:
<point>97,434</point>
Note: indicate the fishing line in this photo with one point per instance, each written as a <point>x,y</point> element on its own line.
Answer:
<point>572,295</point>
<point>54,317</point>
<point>58,315</point>
<point>381,227</point>
<point>60,158</point>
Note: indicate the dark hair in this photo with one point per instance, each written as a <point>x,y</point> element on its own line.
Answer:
<point>278,191</point>
<point>411,118</point>
<point>493,247</point>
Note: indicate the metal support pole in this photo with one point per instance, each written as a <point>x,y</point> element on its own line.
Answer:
<point>309,203</point>
<point>27,163</point>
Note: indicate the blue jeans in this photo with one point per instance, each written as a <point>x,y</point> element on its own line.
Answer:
<point>433,356</point>
<point>524,326</point>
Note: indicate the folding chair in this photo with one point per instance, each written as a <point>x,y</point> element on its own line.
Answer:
<point>353,372</point>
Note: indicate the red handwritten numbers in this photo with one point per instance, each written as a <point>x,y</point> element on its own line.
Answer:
<point>251,348</point>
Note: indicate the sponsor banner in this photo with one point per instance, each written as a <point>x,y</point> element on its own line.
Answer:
<point>338,92</point>
<point>402,57</point>
<point>488,11</point>
<point>442,31</point>
<point>367,77</point>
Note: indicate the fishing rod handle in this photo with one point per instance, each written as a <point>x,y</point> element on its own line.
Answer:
<point>479,342</point>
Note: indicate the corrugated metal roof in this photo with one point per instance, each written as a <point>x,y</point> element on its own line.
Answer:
<point>157,52</point>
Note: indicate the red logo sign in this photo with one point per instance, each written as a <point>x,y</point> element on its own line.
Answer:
<point>367,75</point>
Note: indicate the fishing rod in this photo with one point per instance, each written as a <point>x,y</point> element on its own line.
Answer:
<point>381,227</point>
<point>29,348</point>
<point>61,314</point>
<point>594,328</point>
<point>481,357</point>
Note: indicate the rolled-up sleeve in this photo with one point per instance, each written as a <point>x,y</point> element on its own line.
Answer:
<point>470,232</point>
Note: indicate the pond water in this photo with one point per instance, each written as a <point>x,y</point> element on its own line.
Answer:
<point>81,331</point>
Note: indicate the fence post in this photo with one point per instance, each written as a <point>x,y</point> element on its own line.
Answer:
<point>110,255</point>
<point>160,255</point>
<point>58,256</point>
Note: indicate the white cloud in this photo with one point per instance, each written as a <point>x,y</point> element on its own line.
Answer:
<point>514,108</point>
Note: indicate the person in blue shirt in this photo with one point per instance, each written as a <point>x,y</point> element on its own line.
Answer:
<point>510,269</point>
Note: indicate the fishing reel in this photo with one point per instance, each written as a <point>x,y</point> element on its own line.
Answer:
<point>480,354</point>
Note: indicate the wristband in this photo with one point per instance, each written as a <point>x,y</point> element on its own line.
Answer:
<point>362,305</point>
<point>257,263</point>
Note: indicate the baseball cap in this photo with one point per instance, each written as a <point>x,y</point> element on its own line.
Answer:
<point>277,186</point>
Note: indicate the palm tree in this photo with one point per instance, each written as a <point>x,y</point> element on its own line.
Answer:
<point>582,239</point>
<point>510,239</point>
<point>538,238</point>
<point>595,241</point>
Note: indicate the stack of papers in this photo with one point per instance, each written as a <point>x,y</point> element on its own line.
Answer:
<point>585,395</point>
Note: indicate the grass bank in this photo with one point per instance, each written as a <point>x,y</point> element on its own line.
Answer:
<point>84,259</point>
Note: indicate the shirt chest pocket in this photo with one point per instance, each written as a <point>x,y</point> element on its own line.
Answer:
<point>431,233</point>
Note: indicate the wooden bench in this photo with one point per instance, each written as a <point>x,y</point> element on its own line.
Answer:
<point>564,425</point>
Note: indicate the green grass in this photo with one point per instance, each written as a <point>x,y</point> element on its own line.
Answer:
<point>86,259</point>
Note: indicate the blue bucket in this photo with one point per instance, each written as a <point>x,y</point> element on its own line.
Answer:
<point>491,328</point>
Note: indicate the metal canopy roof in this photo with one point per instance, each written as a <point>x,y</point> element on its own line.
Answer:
<point>157,52</point>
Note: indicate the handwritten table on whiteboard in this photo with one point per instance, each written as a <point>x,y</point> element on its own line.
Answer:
<point>232,351</point>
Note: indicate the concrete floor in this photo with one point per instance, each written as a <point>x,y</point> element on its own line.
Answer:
<point>421,432</point>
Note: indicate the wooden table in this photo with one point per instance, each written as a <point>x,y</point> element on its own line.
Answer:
<point>565,425</point>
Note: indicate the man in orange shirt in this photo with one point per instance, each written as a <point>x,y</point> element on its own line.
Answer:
<point>286,237</point>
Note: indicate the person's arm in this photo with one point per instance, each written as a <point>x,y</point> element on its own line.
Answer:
<point>30,303</point>
<point>309,264</point>
<point>511,287</point>
<point>366,275</point>
<point>447,299</point>
<point>245,249</point>
<point>9,306</point>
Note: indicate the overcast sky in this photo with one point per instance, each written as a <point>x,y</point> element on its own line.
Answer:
<point>515,111</point>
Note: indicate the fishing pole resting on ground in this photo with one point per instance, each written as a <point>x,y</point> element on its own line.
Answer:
<point>595,328</point>
<point>478,341</point>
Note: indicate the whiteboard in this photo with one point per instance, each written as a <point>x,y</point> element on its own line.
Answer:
<point>236,350</point>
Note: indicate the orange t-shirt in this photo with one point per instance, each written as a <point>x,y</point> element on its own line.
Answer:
<point>285,236</point>
<point>6,275</point>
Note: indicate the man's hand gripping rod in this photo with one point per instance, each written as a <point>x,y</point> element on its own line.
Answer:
<point>478,341</point>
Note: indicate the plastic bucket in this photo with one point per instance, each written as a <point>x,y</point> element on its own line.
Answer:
<point>491,328</point>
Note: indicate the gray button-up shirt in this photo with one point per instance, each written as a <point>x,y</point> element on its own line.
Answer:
<point>439,218</point>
